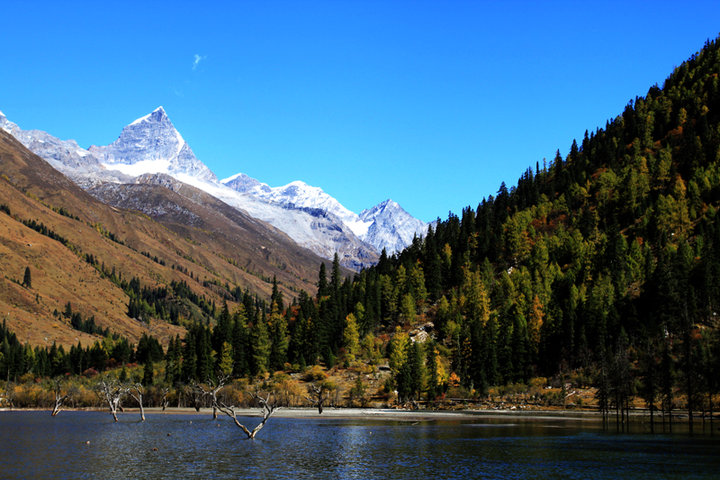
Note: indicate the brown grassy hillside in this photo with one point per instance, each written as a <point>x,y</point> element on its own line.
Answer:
<point>33,191</point>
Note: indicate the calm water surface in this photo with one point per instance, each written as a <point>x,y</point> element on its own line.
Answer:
<point>34,445</point>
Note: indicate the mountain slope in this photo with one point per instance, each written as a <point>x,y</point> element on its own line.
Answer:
<point>193,213</point>
<point>54,225</point>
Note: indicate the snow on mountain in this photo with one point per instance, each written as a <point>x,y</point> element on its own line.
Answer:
<point>385,226</point>
<point>243,183</point>
<point>151,144</point>
<point>320,231</point>
<point>391,227</point>
<point>297,194</point>
<point>64,155</point>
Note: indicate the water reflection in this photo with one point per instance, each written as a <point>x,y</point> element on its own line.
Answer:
<point>34,445</point>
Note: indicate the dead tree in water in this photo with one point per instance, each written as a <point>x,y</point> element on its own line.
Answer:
<point>112,392</point>
<point>211,390</point>
<point>165,401</point>
<point>196,394</point>
<point>268,408</point>
<point>318,395</point>
<point>60,397</point>
<point>136,392</point>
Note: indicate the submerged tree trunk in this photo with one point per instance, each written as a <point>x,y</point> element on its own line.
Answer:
<point>136,391</point>
<point>211,390</point>
<point>652,418</point>
<point>165,402</point>
<point>317,396</point>
<point>112,392</point>
<point>710,407</point>
<point>59,398</point>
<point>268,408</point>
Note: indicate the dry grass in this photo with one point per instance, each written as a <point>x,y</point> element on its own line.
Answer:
<point>31,189</point>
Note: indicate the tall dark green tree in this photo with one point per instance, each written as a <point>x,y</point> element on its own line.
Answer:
<point>27,278</point>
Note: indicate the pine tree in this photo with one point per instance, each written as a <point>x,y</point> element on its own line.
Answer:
<point>27,280</point>
<point>189,356</point>
<point>276,297</point>
<point>335,276</point>
<point>278,329</point>
<point>397,350</point>
<point>148,374</point>
<point>260,346</point>
<point>322,282</point>
<point>225,359</point>
<point>240,343</point>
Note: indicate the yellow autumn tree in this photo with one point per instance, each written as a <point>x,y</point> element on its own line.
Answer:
<point>535,323</point>
<point>351,338</point>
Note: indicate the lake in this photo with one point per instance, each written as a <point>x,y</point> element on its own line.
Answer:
<point>175,446</point>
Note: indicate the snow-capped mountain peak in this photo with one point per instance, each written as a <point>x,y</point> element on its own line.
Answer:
<point>64,155</point>
<point>159,113</point>
<point>243,183</point>
<point>6,124</point>
<point>151,144</point>
<point>391,227</point>
<point>385,206</point>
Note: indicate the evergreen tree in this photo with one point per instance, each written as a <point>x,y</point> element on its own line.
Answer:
<point>240,343</point>
<point>260,346</point>
<point>148,374</point>
<point>279,339</point>
<point>322,282</point>
<point>27,280</point>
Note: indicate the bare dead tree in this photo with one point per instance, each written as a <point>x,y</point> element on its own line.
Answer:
<point>318,395</point>
<point>112,392</point>
<point>60,397</point>
<point>9,397</point>
<point>196,393</point>
<point>165,401</point>
<point>267,407</point>
<point>213,390</point>
<point>136,392</point>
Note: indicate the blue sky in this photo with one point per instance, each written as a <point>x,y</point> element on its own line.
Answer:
<point>432,104</point>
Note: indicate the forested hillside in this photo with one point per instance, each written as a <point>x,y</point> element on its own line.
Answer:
<point>606,261</point>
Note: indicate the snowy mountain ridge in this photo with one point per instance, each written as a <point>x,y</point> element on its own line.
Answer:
<point>385,226</point>
<point>152,145</point>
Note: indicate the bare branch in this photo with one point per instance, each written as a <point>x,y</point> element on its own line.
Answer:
<point>59,397</point>
<point>112,392</point>
<point>210,389</point>
<point>318,396</point>
<point>268,408</point>
<point>136,392</point>
<point>165,401</point>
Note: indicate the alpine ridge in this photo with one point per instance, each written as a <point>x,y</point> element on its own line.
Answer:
<point>152,145</point>
<point>385,226</point>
